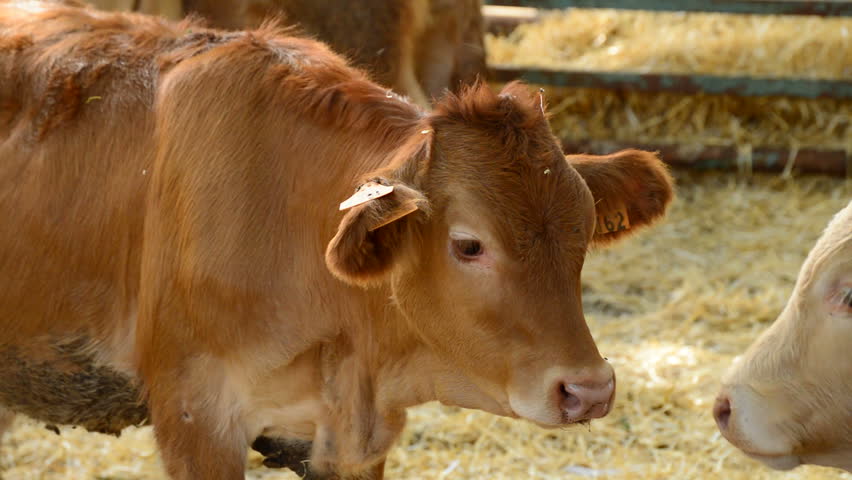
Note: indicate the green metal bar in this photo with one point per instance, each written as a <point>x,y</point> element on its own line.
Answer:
<point>827,8</point>
<point>682,83</point>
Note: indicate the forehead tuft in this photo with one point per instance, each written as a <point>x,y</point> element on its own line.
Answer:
<point>838,233</point>
<point>488,131</point>
<point>832,247</point>
<point>840,225</point>
<point>511,118</point>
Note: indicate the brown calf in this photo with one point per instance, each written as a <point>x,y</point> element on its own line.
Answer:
<point>172,244</point>
<point>789,400</point>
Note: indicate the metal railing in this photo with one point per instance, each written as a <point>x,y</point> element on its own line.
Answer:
<point>836,162</point>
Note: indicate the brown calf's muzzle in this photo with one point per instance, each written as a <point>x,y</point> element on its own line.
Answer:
<point>586,398</point>
<point>557,393</point>
<point>579,382</point>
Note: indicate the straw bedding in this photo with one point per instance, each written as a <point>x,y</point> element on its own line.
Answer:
<point>777,46</point>
<point>606,39</point>
<point>670,307</point>
<point>591,114</point>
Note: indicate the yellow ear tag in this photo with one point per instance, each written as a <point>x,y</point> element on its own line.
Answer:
<point>368,191</point>
<point>613,220</point>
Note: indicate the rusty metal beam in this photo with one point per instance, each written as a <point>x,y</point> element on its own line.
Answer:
<point>701,157</point>
<point>682,83</point>
<point>828,8</point>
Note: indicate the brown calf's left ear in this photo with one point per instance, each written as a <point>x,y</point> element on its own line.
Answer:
<point>631,188</point>
<point>373,232</point>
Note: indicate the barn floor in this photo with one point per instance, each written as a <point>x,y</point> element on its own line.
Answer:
<point>670,308</point>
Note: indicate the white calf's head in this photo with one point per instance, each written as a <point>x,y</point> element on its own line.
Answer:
<point>788,401</point>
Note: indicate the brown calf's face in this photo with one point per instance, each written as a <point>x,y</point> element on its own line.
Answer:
<point>487,271</point>
<point>788,401</point>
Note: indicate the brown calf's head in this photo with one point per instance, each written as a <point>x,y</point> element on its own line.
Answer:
<point>482,242</point>
<point>788,401</point>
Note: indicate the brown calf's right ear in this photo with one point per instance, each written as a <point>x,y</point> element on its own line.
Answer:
<point>631,188</point>
<point>372,234</point>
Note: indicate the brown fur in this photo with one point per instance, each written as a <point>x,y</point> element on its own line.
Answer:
<point>170,194</point>
<point>64,386</point>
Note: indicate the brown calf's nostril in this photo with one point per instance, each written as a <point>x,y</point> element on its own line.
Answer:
<point>722,412</point>
<point>568,401</point>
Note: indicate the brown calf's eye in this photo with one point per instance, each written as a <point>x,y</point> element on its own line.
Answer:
<point>467,248</point>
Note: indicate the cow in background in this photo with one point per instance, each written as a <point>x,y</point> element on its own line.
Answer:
<point>788,401</point>
<point>419,48</point>
<point>171,9</point>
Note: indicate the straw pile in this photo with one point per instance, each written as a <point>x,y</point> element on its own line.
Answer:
<point>591,114</point>
<point>689,43</point>
<point>670,307</point>
<point>604,39</point>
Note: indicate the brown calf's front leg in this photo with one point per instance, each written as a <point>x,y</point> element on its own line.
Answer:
<point>193,442</point>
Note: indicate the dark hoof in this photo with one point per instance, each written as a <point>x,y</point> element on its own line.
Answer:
<point>278,453</point>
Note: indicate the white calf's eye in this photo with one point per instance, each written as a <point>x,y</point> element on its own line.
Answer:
<point>846,296</point>
<point>840,300</point>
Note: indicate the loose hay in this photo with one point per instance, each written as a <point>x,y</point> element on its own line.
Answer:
<point>689,43</point>
<point>586,114</point>
<point>670,308</point>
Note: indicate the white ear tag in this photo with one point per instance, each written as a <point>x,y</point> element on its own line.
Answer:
<point>368,191</point>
